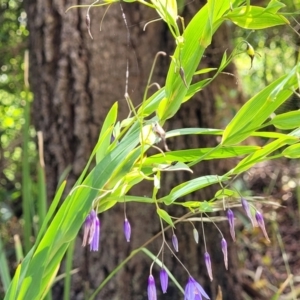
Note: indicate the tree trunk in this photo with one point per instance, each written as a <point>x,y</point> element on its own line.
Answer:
<point>75,81</point>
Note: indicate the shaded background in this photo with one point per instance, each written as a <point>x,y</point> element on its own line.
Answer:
<point>75,80</point>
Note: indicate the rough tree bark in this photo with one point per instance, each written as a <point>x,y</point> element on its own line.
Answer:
<point>75,80</point>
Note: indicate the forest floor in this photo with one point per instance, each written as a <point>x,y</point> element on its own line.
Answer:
<point>272,270</point>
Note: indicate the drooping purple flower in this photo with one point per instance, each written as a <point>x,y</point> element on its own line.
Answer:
<point>163,275</point>
<point>194,291</point>
<point>261,223</point>
<point>208,265</point>
<point>225,253</point>
<point>175,242</point>
<point>91,233</point>
<point>151,288</point>
<point>246,207</point>
<point>127,229</point>
<point>230,217</point>
<point>94,245</point>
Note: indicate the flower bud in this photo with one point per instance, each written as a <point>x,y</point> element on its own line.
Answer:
<point>164,280</point>
<point>225,253</point>
<point>196,235</point>
<point>127,230</point>
<point>261,223</point>
<point>208,265</point>
<point>175,242</point>
<point>230,217</point>
<point>151,288</point>
<point>246,207</point>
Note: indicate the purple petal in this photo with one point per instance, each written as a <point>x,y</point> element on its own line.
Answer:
<point>230,217</point>
<point>151,288</point>
<point>246,207</point>
<point>127,230</point>
<point>175,242</point>
<point>261,223</point>
<point>193,290</point>
<point>164,280</point>
<point>94,245</point>
<point>208,265</point>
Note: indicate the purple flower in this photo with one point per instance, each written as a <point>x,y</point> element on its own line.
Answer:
<point>194,291</point>
<point>127,229</point>
<point>163,280</point>
<point>91,233</point>
<point>175,242</point>
<point>94,245</point>
<point>261,223</point>
<point>225,253</point>
<point>230,217</point>
<point>208,265</point>
<point>246,207</point>
<point>151,288</point>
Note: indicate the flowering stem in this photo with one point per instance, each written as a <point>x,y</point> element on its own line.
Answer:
<point>203,234</point>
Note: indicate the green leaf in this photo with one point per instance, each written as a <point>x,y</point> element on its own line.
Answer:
<point>274,6</point>
<point>225,193</point>
<point>251,116</point>
<point>187,131</point>
<point>70,217</point>
<point>179,166</point>
<point>256,18</point>
<point>197,37</point>
<point>195,88</point>
<point>287,120</point>
<point>151,104</point>
<point>165,216</point>
<point>205,70</point>
<point>292,151</point>
<point>205,206</point>
<point>261,154</point>
<point>191,204</point>
<point>106,132</point>
<point>167,9</point>
<point>191,186</point>
<point>194,154</point>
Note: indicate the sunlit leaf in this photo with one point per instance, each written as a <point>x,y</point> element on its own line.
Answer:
<point>191,186</point>
<point>165,216</point>
<point>292,151</point>
<point>287,120</point>
<point>256,18</point>
<point>251,116</point>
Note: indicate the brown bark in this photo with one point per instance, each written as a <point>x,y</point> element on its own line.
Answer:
<point>75,80</point>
